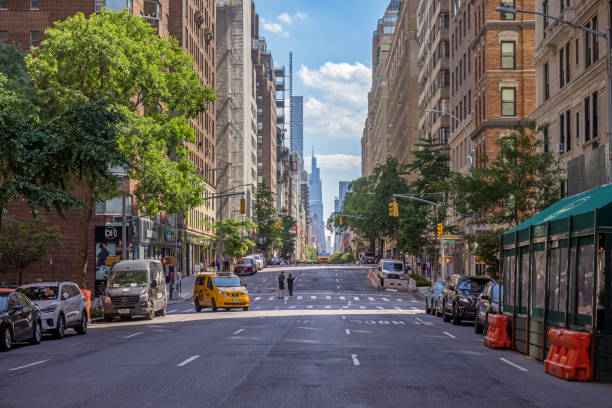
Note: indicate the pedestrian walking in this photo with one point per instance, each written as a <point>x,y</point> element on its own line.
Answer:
<point>281,285</point>
<point>290,284</point>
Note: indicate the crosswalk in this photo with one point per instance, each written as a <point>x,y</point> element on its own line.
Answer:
<point>335,298</point>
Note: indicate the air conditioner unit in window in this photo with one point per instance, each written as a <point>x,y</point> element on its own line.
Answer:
<point>208,35</point>
<point>561,148</point>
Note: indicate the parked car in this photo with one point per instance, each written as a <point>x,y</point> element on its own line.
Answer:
<point>62,306</point>
<point>488,302</point>
<point>260,262</point>
<point>136,287</point>
<point>220,290</point>
<point>19,320</point>
<point>369,258</point>
<point>245,266</point>
<point>460,295</point>
<point>274,261</point>
<point>432,297</point>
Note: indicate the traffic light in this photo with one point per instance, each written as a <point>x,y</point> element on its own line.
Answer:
<point>393,209</point>
<point>242,206</point>
<point>340,220</point>
<point>440,229</point>
<point>277,225</point>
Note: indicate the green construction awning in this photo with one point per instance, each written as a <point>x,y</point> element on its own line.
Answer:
<point>582,204</point>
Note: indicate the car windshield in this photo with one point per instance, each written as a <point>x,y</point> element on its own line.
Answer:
<point>439,287</point>
<point>471,284</point>
<point>123,279</point>
<point>3,302</point>
<point>323,254</point>
<point>369,254</point>
<point>229,282</point>
<point>40,292</point>
<point>495,292</point>
<point>246,261</point>
<point>393,266</point>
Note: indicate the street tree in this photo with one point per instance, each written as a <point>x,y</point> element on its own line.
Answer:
<point>516,185</point>
<point>287,238</point>
<point>25,242</point>
<point>118,58</point>
<point>234,236</point>
<point>265,216</point>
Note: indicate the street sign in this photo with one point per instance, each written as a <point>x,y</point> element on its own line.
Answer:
<point>450,241</point>
<point>113,224</point>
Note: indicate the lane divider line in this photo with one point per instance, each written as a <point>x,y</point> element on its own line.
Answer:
<point>133,335</point>
<point>449,335</point>
<point>348,332</point>
<point>172,311</point>
<point>29,365</point>
<point>355,359</point>
<point>189,360</point>
<point>238,331</point>
<point>513,365</point>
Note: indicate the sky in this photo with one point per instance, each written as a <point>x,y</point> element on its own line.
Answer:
<point>331,41</point>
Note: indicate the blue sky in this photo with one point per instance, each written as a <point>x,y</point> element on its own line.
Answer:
<point>331,41</point>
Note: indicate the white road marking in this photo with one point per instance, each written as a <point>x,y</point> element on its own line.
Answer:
<point>271,298</point>
<point>342,298</point>
<point>355,297</point>
<point>328,297</point>
<point>449,335</point>
<point>400,300</point>
<point>187,310</point>
<point>313,297</point>
<point>133,335</point>
<point>161,330</point>
<point>309,306</point>
<point>257,307</point>
<point>362,307</point>
<point>258,298</point>
<point>29,365</point>
<point>338,287</point>
<point>385,299</point>
<point>238,331</point>
<point>415,301</point>
<point>380,308</point>
<point>276,307</point>
<point>172,311</point>
<point>337,280</point>
<point>371,298</point>
<point>414,308</point>
<point>355,359</point>
<point>328,307</point>
<point>348,332</point>
<point>416,318</point>
<point>513,365</point>
<point>292,307</point>
<point>343,317</point>
<point>300,297</point>
<point>185,319</point>
<point>189,360</point>
<point>344,307</point>
<point>349,303</point>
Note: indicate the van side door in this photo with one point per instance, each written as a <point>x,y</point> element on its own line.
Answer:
<point>208,291</point>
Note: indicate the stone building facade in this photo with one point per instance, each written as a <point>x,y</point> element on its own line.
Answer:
<point>571,92</point>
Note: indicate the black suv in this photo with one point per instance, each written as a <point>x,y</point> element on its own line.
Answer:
<point>459,297</point>
<point>488,302</point>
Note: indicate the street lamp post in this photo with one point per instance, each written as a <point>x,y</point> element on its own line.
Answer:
<point>601,34</point>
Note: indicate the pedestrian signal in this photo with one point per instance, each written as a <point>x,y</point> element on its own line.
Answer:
<point>440,229</point>
<point>242,206</point>
<point>393,209</point>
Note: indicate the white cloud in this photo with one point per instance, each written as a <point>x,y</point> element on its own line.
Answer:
<point>336,163</point>
<point>301,15</point>
<point>285,18</point>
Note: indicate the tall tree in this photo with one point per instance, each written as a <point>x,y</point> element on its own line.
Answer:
<point>117,58</point>
<point>287,237</point>
<point>265,215</point>
<point>516,185</point>
<point>234,236</point>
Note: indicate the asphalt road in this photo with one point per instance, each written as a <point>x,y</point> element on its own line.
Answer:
<point>336,343</point>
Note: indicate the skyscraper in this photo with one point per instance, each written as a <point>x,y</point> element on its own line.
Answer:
<point>316,204</point>
<point>297,125</point>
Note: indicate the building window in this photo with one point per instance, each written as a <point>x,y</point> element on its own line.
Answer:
<point>562,131</point>
<point>595,112</point>
<point>595,40</point>
<point>587,119</point>
<point>444,134</point>
<point>568,131</point>
<point>508,101</point>
<point>546,82</point>
<point>4,36</point>
<point>117,5</point>
<point>508,55</point>
<point>3,4</point>
<point>507,3</point>
<point>587,47</point>
<point>34,4</point>
<point>578,126</point>
<point>545,11</point>
<point>561,67</point>
<point>34,38</point>
<point>567,63</point>
<point>389,29</point>
<point>546,139</point>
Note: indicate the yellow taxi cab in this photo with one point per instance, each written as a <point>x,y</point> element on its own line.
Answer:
<point>324,257</point>
<point>220,290</point>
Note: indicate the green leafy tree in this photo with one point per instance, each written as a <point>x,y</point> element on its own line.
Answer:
<point>287,242</point>
<point>516,185</point>
<point>234,236</point>
<point>149,81</point>
<point>25,242</point>
<point>265,216</point>
<point>311,254</point>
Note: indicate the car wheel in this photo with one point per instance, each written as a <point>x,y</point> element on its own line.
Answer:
<point>445,316</point>
<point>246,308</point>
<point>162,312</point>
<point>456,318</point>
<point>7,339</point>
<point>477,325</point>
<point>82,327</point>
<point>108,319</point>
<point>426,307</point>
<point>151,313</point>
<point>36,333</point>
<point>213,305</point>
<point>61,327</point>
<point>196,303</point>
<point>485,325</point>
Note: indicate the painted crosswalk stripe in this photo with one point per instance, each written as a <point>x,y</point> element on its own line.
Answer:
<point>397,308</point>
<point>449,335</point>
<point>371,298</point>
<point>328,307</point>
<point>258,298</point>
<point>355,359</point>
<point>362,307</point>
<point>345,307</point>
<point>385,299</point>
<point>172,311</point>
<point>313,297</point>
<point>300,297</point>
<point>328,297</point>
<point>238,331</point>
<point>348,332</point>
<point>189,360</point>
<point>271,298</point>
<point>400,300</point>
<point>355,297</point>
<point>292,307</point>
<point>513,365</point>
<point>342,298</point>
<point>310,306</point>
<point>414,308</point>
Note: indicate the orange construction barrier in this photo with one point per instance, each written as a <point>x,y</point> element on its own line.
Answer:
<point>497,334</point>
<point>87,294</point>
<point>568,357</point>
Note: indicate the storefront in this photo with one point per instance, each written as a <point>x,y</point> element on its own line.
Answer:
<point>557,273</point>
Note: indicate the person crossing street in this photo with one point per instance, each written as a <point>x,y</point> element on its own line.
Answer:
<point>290,284</point>
<point>281,285</point>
